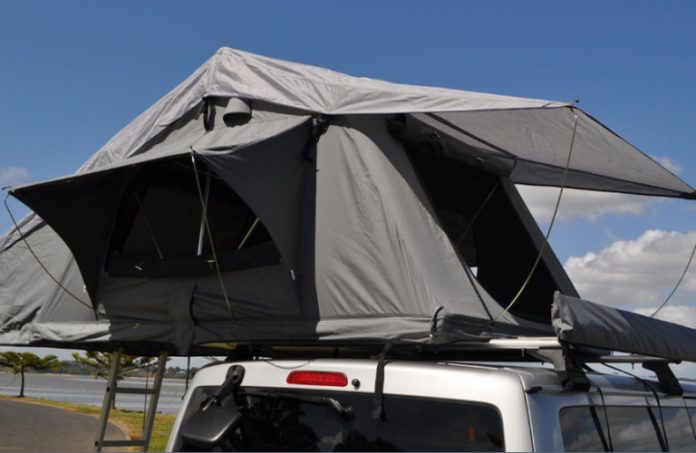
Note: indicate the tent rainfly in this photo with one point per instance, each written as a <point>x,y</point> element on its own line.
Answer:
<point>263,201</point>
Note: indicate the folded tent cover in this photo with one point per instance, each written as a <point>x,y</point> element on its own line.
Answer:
<point>264,201</point>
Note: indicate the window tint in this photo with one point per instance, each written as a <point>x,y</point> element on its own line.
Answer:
<point>630,429</point>
<point>410,424</point>
<point>692,416</point>
<point>680,434</point>
<point>633,429</point>
<point>584,429</point>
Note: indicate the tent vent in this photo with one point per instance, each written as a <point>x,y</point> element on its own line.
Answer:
<point>237,112</point>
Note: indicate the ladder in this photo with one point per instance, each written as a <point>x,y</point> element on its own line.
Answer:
<point>112,388</point>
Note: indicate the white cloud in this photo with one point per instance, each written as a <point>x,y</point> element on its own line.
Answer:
<point>669,164</point>
<point>581,203</point>
<point>679,314</point>
<point>637,272</point>
<point>12,175</point>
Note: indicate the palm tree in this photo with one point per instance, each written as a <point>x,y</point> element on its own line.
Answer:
<point>19,362</point>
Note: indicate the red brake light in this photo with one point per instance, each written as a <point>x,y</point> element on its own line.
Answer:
<point>328,378</point>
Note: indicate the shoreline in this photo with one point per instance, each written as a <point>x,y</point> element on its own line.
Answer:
<point>83,389</point>
<point>135,378</point>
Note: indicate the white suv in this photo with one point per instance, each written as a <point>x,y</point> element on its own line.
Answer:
<point>332,405</point>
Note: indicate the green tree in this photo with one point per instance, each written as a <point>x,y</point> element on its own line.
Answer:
<point>101,363</point>
<point>19,362</point>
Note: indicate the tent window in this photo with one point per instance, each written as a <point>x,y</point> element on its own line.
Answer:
<point>497,243</point>
<point>456,225</point>
<point>159,229</point>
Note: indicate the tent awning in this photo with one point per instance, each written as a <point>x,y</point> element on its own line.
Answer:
<point>532,146</point>
<point>584,323</point>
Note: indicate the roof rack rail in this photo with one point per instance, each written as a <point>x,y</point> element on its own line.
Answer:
<point>568,360</point>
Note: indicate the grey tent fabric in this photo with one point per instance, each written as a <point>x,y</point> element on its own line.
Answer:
<point>30,300</point>
<point>233,73</point>
<point>17,261</point>
<point>583,323</point>
<point>339,209</point>
<point>373,218</point>
<point>382,266</point>
<point>362,230</point>
<point>533,146</point>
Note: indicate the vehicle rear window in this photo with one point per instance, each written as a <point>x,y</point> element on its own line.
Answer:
<point>584,428</point>
<point>409,424</point>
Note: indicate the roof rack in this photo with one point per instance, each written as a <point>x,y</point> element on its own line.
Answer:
<point>569,361</point>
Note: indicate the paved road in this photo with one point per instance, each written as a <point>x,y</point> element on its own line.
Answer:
<point>34,427</point>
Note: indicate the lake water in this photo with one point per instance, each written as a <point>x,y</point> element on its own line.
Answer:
<point>87,390</point>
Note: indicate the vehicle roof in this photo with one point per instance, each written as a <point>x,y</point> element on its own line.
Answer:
<point>546,377</point>
<point>532,375</point>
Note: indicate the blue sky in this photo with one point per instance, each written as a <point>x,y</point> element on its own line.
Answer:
<point>72,73</point>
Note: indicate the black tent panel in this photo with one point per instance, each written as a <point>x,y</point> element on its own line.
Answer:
<point>269,176</point>
<point>491,229</point>
<point>81,211</point>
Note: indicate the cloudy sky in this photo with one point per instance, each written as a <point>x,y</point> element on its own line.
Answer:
<point>74,73</point>
<point>634,271</point>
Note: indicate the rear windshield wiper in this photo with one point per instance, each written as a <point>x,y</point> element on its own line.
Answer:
<point>332,403</point>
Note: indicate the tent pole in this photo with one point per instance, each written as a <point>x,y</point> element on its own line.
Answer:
<point>204,220</point>
<point>201,230</point>
<point>248,234</point>
<point>149,227</point>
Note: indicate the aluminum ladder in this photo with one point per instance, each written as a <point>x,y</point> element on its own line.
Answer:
<point>112,388</point>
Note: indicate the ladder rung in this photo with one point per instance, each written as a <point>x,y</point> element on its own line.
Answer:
<point>122,443</point>
<point>136,390</point>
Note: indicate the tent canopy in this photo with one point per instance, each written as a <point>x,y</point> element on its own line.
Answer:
<point>532,127</point>
<point>267,201</point>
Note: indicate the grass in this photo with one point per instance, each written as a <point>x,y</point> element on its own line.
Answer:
<point>131,422</point>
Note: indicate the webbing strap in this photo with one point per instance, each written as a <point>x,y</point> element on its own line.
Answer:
<point>378,408</point>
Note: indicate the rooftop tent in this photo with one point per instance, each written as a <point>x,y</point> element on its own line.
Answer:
<point>339,209</point>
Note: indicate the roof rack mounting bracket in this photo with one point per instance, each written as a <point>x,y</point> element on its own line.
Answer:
<point>573,377</point>
<point>567,365</point>
<point>665,377</point>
